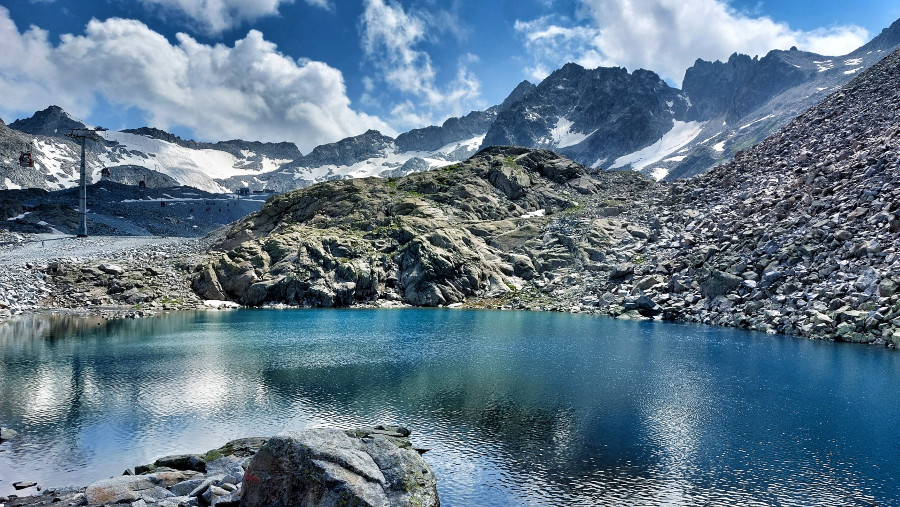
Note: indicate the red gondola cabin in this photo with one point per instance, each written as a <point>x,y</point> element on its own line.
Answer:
<point>26,160</point>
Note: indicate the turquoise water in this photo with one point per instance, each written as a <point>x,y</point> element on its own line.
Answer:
<point>517,408</point>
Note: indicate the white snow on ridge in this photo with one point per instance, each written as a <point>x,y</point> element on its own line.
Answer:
<point>562,135</point>
<point>392,159</point>
<point>470,145</point>
<point>681,134</point>
<point>11,186</point>
<point>196,168</point>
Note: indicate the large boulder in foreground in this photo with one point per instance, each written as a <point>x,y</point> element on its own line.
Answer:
<point>330,467</point>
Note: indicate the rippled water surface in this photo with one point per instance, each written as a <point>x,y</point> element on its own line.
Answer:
<point>517,408</point>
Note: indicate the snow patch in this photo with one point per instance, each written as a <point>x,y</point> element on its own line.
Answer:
<point>853,71</point>
<point>824,65</point>
<point>679,158</point>
<point>720,147</point>
<point>470,145</point>
<point>562,135</point>
<point>681,134</point>
<point>755,122</point>
<point>11,186</point>
<point>659,173</point>
<point>535,213</point>
<point>852,62</point>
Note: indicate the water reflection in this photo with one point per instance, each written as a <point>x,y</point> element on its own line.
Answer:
<point>518,408</point>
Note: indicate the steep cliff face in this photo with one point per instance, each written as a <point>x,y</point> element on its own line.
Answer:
<point>737,87</point>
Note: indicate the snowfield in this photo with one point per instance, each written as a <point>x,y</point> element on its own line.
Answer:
<point>682,133</point>
<point>196,168</point>
<point>561,136</point>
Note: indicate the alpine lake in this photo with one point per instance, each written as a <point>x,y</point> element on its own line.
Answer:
<point>516,408</point>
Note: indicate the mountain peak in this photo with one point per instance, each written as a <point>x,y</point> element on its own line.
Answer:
<point>521,91</point>
<point>887,40</point>
<point>52,121</point>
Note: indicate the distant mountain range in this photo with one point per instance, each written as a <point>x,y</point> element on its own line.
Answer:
<point>605,118</point>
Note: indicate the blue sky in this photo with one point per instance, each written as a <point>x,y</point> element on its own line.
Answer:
<point>315,71</point>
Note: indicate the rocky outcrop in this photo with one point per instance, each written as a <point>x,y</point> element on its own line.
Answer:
<point>452,130</point>
<point>134,175</point>
<point>315,467</point>
<point>346,151</point>
<point>428,239</point>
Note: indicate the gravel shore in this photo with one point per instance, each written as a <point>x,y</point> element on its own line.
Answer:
<point>115,276</point>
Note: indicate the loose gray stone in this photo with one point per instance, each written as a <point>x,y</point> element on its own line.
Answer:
<point>186,487</point>
<point>111,269</point>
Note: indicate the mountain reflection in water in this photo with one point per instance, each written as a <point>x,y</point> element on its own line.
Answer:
<point>518,408</point>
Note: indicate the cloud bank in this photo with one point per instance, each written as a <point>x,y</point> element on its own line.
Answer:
<point>666,36</point>
<point>215,16</point>
<point>248,91</point>
<point>391,38</point>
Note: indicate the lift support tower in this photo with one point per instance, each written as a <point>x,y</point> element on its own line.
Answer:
<point>83,135</point>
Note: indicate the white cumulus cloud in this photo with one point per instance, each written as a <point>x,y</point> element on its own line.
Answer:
<point>666,36</point>
<point>214,16</point>
<point>249,90</point>
<point>392,39</point>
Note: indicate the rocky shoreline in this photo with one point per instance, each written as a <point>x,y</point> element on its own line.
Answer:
<point>366,466</point>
